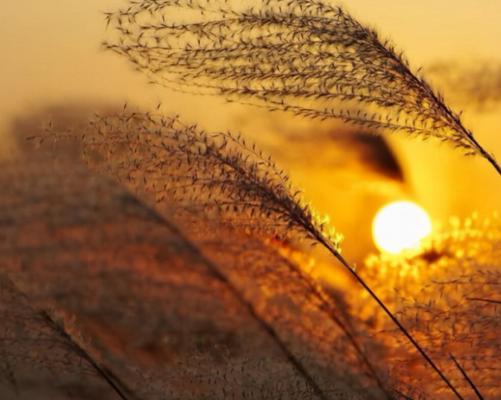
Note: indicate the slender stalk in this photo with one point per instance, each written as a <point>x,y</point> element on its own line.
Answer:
<point>484,300</point>
<point>493,161</point>
<point>390,314</point>
<point>403,395</point>
<point>468,379</point>
<point>107,375</point>
<point>101,371</point>
<point>331,312</point>
<point>485,154</point>
<point>242,300</point>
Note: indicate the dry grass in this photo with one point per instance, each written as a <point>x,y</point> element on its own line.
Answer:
<point>306,57</point>
<point>219,178</point>
<point>154,310</point>
<point>194,288</point>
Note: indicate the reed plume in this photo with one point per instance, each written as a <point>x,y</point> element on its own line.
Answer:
<point>306,57</point>
<point>217,175</point>
<point>240,323</point>
<point>32,338</point>
<point>165,318</point>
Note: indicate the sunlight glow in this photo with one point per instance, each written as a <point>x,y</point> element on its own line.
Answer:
<point>400,226</point>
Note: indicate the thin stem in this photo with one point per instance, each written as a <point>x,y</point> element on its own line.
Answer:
<point>468,379</point>
<point>107,375</point>
<point>331,312</point>
<point>390,314</point>
<point>103,372</point>
<point>484,300</point>
<point>236,292</point>
<point>493,161</point>
<point>403,395</point>
<point>488,156</point>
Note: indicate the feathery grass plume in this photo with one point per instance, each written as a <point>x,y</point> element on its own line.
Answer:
<point>303,56</point>
<point>130,156</point>
<point>160,314</point>
<point>448,295</point>
<point>34,347</point>
<point>217,175</point>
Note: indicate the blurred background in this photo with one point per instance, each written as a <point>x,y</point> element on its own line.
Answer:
<point>53,68</point>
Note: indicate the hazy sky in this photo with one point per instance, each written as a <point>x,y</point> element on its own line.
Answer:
<point>50,54</point>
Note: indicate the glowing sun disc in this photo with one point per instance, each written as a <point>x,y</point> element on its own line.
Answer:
<point>399,226</point>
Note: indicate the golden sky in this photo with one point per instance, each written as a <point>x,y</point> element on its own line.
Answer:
<point>51,54</point>
<point>50,48</point>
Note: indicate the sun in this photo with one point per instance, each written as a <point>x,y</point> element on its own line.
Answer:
<point>399,226</point>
